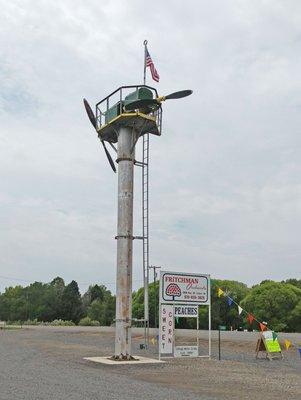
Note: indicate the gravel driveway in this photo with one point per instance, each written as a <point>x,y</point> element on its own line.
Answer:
<point>47,363</point>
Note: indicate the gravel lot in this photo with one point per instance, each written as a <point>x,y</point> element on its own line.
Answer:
<point>47,363</point>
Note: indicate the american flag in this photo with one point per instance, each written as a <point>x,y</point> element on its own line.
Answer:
<point>149,63</point>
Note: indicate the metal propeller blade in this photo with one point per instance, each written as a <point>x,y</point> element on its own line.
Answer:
<point>93,122</point>
<point>178,95</point>
<point>108,156</point>
<point>90,113</point>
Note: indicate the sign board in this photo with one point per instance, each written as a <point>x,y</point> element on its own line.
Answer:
<point>186,311</point>
<point>166,329</point>
<point>269,345</point>
<point>222,328</point>
<point>272,345</point>
<point>184,288</point>
<point>186,351</point>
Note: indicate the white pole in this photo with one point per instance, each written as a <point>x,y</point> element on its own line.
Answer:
<point>209,317</point>
<point>197,332</point>
<point>174,330</point>
<point>159,341</point>
<point>124,244</point>
<point>160,313</point>
<point>144,70</point>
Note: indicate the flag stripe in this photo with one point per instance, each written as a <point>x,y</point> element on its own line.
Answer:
<point>149,63</point>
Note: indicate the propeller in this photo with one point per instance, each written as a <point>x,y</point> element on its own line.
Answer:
<point>93,122</point>
<point>155,103</point>
<point>178,95</point>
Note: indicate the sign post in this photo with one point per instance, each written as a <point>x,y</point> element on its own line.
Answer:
<point>220,328</point>
<point>180,295</point>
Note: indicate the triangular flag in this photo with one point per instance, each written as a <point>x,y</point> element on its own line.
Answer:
<point>153,341</point>
<point>274,334</point>
<point>250,318</point>
<point>230,301</point>
<point>220,292</point>
<point>287,344</point>
<point>240,310</point>
<point>262,327</point>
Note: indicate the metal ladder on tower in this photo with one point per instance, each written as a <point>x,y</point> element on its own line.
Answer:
<point>145,232</point>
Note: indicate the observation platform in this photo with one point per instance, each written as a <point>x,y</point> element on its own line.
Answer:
<point>114,111</point>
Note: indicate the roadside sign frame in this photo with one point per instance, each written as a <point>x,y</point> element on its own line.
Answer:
<point>186,303</point>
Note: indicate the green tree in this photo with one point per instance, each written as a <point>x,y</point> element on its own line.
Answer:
<point>71,303</point>
<point>57,287</point>
<point>13,304</point>
<point>276,303</point>
<point>37,307</point>
<point>294,320</point>
<point>102,307</point>
<point>153,301</point>
<point>221,312</point>
<point>295,282</point>
<point>94,292</point>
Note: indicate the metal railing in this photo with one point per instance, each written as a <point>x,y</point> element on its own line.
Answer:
<point>118,96</point>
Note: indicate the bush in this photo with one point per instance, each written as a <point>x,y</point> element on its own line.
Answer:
<point>61,322</point>
<point>87,321</point>
<point>14,323</point>
<point>32,322</point>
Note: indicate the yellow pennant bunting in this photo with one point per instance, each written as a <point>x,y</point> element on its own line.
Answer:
<point>220,292</point>
<point>287,344</point>
<point>153,340</point>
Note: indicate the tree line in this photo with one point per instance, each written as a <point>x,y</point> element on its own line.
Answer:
<point>277,303</point>
<point>46,302</point>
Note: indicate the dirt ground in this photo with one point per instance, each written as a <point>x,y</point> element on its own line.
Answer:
<point>42,363</point>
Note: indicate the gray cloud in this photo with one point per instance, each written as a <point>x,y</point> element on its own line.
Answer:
<point>225,175</point>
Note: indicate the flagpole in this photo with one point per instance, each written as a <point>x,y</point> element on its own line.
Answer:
<point>144,72</point>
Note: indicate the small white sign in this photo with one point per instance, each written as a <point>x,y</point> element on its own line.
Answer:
<point>182,288</point>
<point>268,334</point>
<point>186,351</point>
<point>186,311</point>
<point>166,329</point>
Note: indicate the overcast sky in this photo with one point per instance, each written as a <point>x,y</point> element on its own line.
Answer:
<point>225,174</point>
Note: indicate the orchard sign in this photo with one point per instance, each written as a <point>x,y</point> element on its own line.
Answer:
<point>181,294</point>
<point>184,288</point>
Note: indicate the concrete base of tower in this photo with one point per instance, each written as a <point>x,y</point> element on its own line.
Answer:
<point>133,360</point>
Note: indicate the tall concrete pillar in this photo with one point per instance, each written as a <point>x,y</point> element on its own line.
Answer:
<point>124,243</point>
